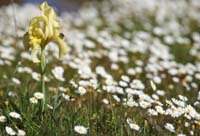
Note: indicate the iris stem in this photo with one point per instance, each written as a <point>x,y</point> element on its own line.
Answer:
<point>42,72</point>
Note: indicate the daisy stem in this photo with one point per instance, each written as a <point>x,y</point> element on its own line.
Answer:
<point>42,72</point>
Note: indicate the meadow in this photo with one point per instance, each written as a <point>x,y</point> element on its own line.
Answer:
<point>132,68</point>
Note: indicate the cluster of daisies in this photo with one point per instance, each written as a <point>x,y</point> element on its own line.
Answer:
<point>9,130</point>
<point>144,56</point>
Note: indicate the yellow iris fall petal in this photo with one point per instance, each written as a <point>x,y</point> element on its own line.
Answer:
<point>42,30</point>
<point>61,46</point>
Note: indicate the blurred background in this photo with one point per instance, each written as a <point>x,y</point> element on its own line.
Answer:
<point>61,5</point>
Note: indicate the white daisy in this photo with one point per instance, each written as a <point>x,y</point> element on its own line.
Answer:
<point>134,126</point>
<point>10,131</point>
<point>58,73</point>
<point>3,118</point>
<point>33,100</point>
<point>80,129</point>
<point>15,115</point>
<point>169,127</point>
<point>38,95</point>
<point>21,132</point>
<point>81,90</point>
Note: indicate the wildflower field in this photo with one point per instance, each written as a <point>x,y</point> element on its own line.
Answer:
<point>111,68</point>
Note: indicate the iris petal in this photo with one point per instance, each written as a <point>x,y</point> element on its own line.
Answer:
<point>62,46</point>
<point>35,53</point>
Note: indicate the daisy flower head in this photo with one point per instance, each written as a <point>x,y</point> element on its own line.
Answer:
<point>38,95</point>
<point>81,90</point>
<point>3,118</point>
<point>10,131</point>
<point>21,132</point>
<point>58,73</point>
<point>15,115</point>
<point>169,127</point>
<point>80,129</point>
<point>134,126</point>
<point>33,100</point>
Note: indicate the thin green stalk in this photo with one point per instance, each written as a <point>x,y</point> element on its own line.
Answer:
<point>42,72</point>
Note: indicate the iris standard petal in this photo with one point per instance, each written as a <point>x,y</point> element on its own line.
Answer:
<point>44,6</point>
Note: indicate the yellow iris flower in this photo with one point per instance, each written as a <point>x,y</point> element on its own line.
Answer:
<point>42,30</point>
